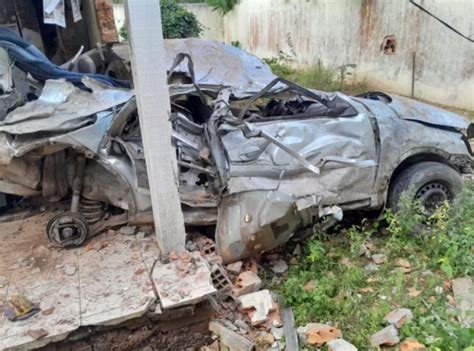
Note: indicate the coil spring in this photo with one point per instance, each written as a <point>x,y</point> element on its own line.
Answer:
<point>92,211</point>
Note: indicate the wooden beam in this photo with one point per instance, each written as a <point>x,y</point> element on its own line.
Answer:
<point>149,77</point>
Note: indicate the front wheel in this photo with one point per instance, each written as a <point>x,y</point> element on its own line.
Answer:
<point>431,183</point>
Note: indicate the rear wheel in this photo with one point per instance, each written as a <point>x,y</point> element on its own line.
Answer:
<point>430,182</point>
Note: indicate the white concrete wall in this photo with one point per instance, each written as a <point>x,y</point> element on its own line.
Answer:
<point>351,31</point>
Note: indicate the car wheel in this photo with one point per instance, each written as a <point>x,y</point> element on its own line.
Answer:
<point>430,182</point>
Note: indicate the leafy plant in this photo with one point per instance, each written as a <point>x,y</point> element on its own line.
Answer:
<point>177,22</point>
<point>223,6</point>
<point>315,77</point>
<point>321,288</point>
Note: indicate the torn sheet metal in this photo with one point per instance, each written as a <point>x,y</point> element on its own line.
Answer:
<point>54,12</point>
<point>63,107</point>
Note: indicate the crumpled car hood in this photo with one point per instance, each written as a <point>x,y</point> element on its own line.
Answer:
<point>418,111</point>
<point>215,64</point>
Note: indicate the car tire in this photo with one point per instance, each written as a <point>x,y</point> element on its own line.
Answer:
<point>431,182</point>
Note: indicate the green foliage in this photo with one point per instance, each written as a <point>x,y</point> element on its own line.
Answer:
<point>177,22</point>
<point>352,298</point>
<point>315,77</point>
<point>223,6</point>
<point>447,236</point>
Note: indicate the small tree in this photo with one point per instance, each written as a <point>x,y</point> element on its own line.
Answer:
<point>177,22</point>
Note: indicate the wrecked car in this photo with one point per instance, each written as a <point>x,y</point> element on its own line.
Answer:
<point>260,158</point>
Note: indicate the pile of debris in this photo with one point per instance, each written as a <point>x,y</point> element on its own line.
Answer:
<point>247,316</point>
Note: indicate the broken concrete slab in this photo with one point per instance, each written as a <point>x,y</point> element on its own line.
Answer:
<point>246,283</point>
<point>388,336</point>
<point>340,345</point>
<point>68,302</point>
<point>463,291</point>
<point>180,283</point>
<point>230,338</point>
<point>258,306</point>
<point>317,334</point>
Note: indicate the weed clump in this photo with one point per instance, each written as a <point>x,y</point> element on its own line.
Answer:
<point>331,282</point>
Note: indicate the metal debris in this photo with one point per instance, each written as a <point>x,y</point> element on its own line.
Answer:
<point>18,308</point>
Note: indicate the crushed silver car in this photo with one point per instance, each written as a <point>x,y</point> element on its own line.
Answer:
<point>259,157</point>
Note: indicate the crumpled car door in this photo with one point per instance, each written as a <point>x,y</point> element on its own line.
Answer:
<point>332,157</point>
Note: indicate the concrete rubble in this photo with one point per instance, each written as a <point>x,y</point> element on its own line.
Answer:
<point>182,278</point>
<point>388,336</point>
<point>258,306</point>
<point>246,283</point>
<point>399,317</point>
<point>340,345</point>
<point>318,334</point>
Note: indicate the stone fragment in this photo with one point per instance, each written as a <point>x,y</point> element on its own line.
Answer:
<point>242,325</point>
<point>246,283</point>
<point>317,334</point>
<point>412,292</point>
<point>371,267</point>
<point>235,268</point>
<point>399,317</point>
<point>379,258</point>
<point>297,250</point>
<point>141,235</point>
<point>387,336</point>
<point>412,345</point>
<point>258,306</point>
<point>277,332</point>
<point>69,269</point>
<point>401,262</point>
<point>463,291</point>
<point>280,267</point>
<point>128,230</point>
<point>340,345</point>
<point>37,333</point>
<point>211,347</point>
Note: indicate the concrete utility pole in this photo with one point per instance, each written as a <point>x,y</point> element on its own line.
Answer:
<point>149,76</point>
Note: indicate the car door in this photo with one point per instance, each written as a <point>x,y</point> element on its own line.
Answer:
<point>331,157</point>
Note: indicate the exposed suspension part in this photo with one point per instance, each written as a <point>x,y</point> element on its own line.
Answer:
<point>92,211</point>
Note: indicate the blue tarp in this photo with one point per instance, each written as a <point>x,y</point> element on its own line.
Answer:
<point>31,60</point>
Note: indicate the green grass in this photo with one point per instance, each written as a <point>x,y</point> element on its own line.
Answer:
<point>316,77</point>
<point>355,300</point>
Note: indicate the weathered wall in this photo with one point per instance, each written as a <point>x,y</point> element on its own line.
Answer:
<point>351,31</point>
